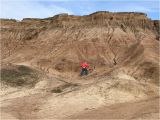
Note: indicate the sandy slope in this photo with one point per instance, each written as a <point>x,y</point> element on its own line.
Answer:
<point>144,109</point>
<point>41,65</point>
<point>40,103</point>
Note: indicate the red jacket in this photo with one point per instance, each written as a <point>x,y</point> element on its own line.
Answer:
<point>84,65</point>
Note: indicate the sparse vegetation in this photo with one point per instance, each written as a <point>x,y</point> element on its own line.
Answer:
<point>63,87</point>
<point>19,76</point>
<point>57,90</point>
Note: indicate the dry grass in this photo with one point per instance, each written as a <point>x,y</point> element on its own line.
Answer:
<point>20,76</point>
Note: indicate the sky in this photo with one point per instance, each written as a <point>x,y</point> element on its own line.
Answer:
<point>19,9</point>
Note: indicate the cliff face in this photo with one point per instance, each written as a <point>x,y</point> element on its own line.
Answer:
<point>123,42</point>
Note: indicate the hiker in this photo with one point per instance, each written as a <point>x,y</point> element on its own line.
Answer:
<point>84,67</point>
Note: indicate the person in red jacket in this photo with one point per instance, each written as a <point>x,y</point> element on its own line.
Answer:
<point>84,67</point>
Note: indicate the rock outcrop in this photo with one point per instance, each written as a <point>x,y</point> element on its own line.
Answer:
<point>127,42</point>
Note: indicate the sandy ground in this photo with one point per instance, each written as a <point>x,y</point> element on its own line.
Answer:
<point>123,74</point>
<point>145,109</point>
<point>105,99</point>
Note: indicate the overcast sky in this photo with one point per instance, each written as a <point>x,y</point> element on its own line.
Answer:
<point>19,9</point>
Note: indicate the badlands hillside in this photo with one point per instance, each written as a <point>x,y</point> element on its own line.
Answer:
<point>40,67</point>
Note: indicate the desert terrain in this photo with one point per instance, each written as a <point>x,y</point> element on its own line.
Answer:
<point>40,67</point>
